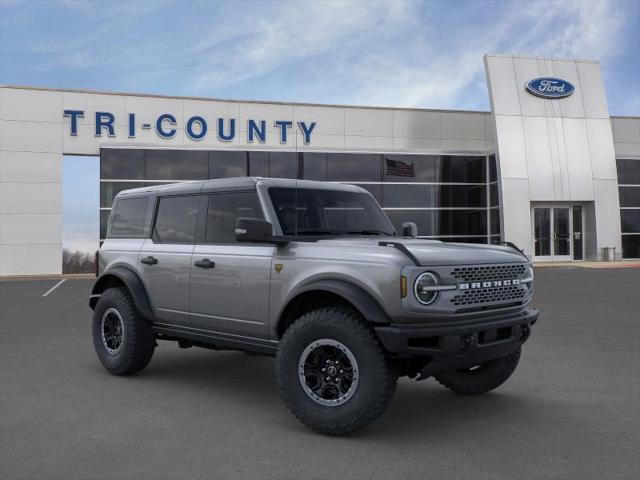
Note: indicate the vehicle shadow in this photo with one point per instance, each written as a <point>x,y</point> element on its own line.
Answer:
<point>419,409</point>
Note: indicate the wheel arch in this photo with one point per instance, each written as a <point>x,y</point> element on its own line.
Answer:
<point>123,277</point>
<point>324,293</point>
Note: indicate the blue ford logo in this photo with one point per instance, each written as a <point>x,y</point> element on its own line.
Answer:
<point>550,87</point>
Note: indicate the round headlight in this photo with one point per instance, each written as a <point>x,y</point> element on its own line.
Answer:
<point>423,288</point>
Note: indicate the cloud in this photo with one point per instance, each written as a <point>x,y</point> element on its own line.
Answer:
<point>387,52</point>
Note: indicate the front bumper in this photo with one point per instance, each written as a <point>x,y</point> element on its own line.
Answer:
<point>458,345</point>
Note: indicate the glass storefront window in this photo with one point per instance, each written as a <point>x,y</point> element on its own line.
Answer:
<point>224,164</point>
<point>631,246</point>
<point>442,222</point>
<point>629,196</point>
<point>314,166</point>
<point>433,196</point>
<point>628,171</point>
<point>283,165</point>
<point>353,167</point>
<point>118,164</point>
<point>177,165</point>
<point>630,221</point>
<point>449,192</point>
<point>259,164</point>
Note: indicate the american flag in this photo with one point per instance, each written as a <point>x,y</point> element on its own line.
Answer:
<point>399,168</point>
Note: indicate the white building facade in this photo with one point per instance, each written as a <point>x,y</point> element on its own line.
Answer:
<point>547,168</point>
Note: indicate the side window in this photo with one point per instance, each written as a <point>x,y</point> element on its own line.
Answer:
<point>176,219</point>
<point>224,210</point>
<point>128,218</point>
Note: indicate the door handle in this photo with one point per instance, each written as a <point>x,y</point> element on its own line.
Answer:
<point>204,263</point>
<point>149,260</point>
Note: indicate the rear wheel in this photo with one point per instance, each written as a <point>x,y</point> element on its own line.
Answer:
<point>332,372</point>
<point>480,378</point>
<point>123,340</point>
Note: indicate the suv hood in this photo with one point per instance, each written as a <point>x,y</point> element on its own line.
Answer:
<point>435,252</point>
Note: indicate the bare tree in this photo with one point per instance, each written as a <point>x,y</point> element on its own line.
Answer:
<point>77,262</point>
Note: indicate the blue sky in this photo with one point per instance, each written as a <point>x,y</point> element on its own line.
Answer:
<point>393,53</point>
<point>390,53</point>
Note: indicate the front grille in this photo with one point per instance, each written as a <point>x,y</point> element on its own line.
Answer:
<point>511,293</point>
<point>490,272</point>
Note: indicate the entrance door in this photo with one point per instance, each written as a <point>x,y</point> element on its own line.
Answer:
<point>557,232</point>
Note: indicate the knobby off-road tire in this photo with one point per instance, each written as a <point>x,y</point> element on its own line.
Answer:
<point>338,335</point>
<point>136,342</point>
<point>481,379</point>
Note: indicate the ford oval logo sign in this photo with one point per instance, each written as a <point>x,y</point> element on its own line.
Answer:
<point>550,87</point>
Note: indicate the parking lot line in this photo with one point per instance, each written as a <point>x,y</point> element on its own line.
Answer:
<point>54,287</point>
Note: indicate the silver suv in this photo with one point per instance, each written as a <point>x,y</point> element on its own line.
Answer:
<point>315,274</point>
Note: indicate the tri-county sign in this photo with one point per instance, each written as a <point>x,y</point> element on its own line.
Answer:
<point>550,87</point>
<point>196,127</point>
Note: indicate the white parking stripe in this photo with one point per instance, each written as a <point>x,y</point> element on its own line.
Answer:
<point>54,287</point>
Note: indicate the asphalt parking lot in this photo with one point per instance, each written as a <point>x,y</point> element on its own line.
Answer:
<point>571,410</point>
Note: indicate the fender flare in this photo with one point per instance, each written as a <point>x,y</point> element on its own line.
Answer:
<point>133,283</point>
<point>357,296</point>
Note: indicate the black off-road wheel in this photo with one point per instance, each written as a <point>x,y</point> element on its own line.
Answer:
<point>332,372</point>
<point>122,339</point>
<point>481,378</point>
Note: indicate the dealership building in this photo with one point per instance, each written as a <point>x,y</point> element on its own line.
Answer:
<point>547,168</point>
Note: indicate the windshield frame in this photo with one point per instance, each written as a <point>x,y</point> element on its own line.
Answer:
<point>379,227</point>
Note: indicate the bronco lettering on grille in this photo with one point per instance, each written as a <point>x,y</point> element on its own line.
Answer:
<point>490,284</point>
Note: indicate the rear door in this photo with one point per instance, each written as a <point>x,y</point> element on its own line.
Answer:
<point>165,258</point>
<point>230,280</point>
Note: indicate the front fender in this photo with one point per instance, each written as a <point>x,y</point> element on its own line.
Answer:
<point>126,276</point>
<point>360,299</point>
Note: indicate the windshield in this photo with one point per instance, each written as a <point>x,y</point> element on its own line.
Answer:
<point>305,211</point>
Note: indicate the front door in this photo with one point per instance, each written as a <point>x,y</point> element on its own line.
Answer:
<point>229,279</point>
<point>557,232</point>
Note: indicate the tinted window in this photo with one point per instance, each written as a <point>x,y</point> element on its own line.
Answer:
<point>630,221</point>
<point>128,217</point>
<point>177,165</point>
<point>628,171</point>
<point>314,166</point>
<point>630,196</point>
<point>353,167</point>
<point>283,165</point>
<point>327,212</point>
<point>416,196</point>
<point>631,246</point>
<point>442,222</point>
<point>109,190</point>
<point>224,164</point>
<point>122,164</point>
<point>224,210</point>
<point>259,164</point>
<point>176,219</point>
<point>460,169</point>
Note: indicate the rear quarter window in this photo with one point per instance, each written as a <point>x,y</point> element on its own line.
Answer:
<point>128,218</point>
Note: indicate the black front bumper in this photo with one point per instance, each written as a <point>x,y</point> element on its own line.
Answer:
<point>458,345</point>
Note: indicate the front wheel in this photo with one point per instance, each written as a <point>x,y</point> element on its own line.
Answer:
<point>481,378</point>
<point>332,373</point>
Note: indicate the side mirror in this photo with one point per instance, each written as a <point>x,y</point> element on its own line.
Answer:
<point>253,230</point>
<point>409,229</point>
